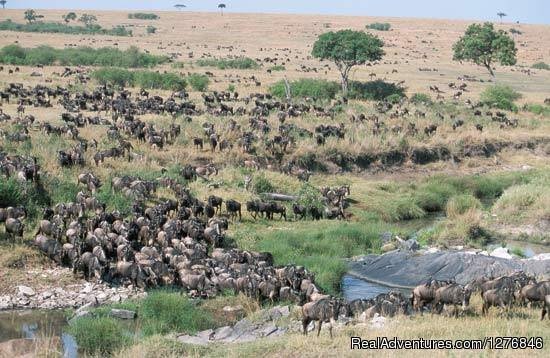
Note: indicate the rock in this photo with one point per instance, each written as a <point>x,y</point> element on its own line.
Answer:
<point>233,312</point>
<point>123,314</point>
<point>187,339</point>
<point>26,291</point>
<point>411,245</point>
<point>385,237</point>
<point>389,247</point>
<point>377,321</point>
<point>539,257</point>
<point>432,250</point>
<point>501,252</point>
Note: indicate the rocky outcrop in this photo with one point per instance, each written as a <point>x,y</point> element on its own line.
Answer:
<point>71,296</point>
<point>246,330</point>
<point>406,269</point>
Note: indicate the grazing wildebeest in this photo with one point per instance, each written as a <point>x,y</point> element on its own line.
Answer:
<point>498,298</point>
<point>325,310</point>
<point>233,208</point>
<point>453,294</point>
<point>14,227</point>
<point>215,202</point>
<point>198,143</point>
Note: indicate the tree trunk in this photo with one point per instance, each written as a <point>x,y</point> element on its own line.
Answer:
<point>279,197</point>
<point>344,85</point>
<point>488,66</point>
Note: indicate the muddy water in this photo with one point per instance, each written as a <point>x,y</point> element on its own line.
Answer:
<point>33,324</point>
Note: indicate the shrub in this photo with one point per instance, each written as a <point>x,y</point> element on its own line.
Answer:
<point>146,79</point>
<point>54,27</point>
<point>98,336</point>
<point>421,98</point>
<point>460,204</point>
<point>231,88</point>
<point>240,63</point>
<point>10,193</point>
<point>394,98</point>
<point>143,16</point>
<point>380,26</point>
<point>541,66</point>
<point>198,81</point>
<point>501,97</point>
<point>514,31</point>
<point>375,90</point>
<point>278,68</point>
<point>80,56</point>
<point>164,312</point>
<point>538,109</point>
<point>151,29</point>
<point>317,89</point>
<point>263,185</point>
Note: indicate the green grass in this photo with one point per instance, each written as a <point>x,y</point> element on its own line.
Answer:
<point>421,98</point>
<point>80,56</point>
<point>320,247</point>
<point>239,63</point>
<point>60,28</point>
<point>145,79</point>
<point>99,336</point>
<point>278,68</point>
<point>305,87</point>
<point>539,109</point>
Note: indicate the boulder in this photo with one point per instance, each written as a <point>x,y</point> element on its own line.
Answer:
<point>25,291</point>
<point>501,252</point>
<point>234,312</point>
<point>123,314</point>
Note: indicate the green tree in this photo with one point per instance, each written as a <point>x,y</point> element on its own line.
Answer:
<point>71,16</point>
<point>482,45</point>
<point>87,19</point>
<point>3,3</point>
<point>221,7</point>
<point>501,15</point>
<point>180,6</point>
<point>348,48</point>
<point>31,16</point>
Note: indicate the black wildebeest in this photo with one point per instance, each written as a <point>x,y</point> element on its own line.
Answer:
<point>233,208</point>
<point>453,294</point>
<point>498,298</point>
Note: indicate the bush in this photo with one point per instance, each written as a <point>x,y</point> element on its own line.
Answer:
<point>538,109</point>
<point>145,79</point>
<point>317,89</point>
<point>54,27</point>
<point>143,16</point>
<point>98,336</point>
<point>460,204</point>
<point>394,98</point>
<point>198,81</point>
<point>10,193</point>
<point>240,63</point>
<point>231,88</point>
<point>263,185</point>
<point>80,56</point>
<point>278,68</point>
<point>374,90</point>
<point>379,26</point>
<point>501,97</point>
<point>151,29</point>
<point>541,66</point>
<point>165,312</point>
<point>421,98</point>
<point>514,31</point>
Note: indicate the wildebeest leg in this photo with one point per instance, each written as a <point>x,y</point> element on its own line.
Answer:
<point>305,323</point>
<point>544,313</point>
<point>319,328</point>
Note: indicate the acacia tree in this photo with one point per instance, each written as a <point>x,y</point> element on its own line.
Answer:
<point>71,16</point>
<point>348,48</point>
<point>482,45</point>
<point>501,15</point>
<point>31,16</point>
<point>3,3</point>
<point>87,19</point>
<point>221,7</point>
<point>180,6</point>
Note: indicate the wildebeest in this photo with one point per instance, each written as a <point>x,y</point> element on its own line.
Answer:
<point>325,310</point>
<point>498,298</point>
<point>233,208</point>
<point>453,294</point>
<point>545,307</point>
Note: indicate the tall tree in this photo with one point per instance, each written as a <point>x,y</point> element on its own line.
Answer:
<point>71,16</point>
<point>348,48</point>
<point>30,15</point>
<point>180,6</point>
<point>87,19</point>
<point>3,3</point>
<point>221,7</point>
<point>501,15</point>
<point>482,45</point>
